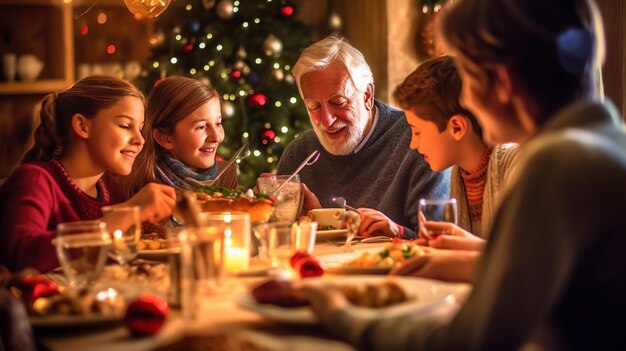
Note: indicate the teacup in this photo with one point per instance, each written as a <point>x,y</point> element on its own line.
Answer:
<point>327,218</point>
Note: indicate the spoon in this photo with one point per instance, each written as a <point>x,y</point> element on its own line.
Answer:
<point>315,154</point>
<point>341,202</point>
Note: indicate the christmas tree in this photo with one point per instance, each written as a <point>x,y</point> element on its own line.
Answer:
<point>246,50</point>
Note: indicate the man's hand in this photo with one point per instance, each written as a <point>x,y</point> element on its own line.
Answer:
<point>376,223</point>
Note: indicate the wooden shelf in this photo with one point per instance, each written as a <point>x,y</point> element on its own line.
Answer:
<point>42,86</point>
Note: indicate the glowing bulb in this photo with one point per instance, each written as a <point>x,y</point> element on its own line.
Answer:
<point>293,100</point>
<point>173,60</point>
<point>202,45</point>
<point>284,129</point>
<point>155,64</point>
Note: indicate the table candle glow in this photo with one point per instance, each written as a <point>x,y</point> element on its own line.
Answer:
<point>236,260</point>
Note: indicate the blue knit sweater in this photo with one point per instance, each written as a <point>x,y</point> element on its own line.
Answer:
<point>385,174</point>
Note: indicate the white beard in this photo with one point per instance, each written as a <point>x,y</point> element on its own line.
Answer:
<point>348,143</point>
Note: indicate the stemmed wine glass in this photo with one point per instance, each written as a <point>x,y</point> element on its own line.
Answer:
<point>436,210</point>
<point>81,250</point>
<point>125,232</point>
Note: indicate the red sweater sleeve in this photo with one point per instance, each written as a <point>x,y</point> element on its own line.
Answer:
<point>30,209</point>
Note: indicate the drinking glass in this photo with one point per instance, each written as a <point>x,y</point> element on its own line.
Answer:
<point>280,240</point>
<point>235,227</point>
<point>436,210</point>
<point>195,256</point>
<point>82,249</point>
<point>125,233</point>
<point>288,200</point>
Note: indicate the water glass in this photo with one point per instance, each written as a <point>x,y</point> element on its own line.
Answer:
<point>82,249</point>
<point>280,240</point>
<point>436,210</point>
<point>125,232</point>
<point>196,264</point>
<point>288,200</point>
<point>235,227</point>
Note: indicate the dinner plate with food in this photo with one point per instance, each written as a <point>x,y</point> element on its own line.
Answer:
<point>371,261</point>
<point>283,301</point>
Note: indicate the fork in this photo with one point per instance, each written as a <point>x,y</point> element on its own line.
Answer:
<point>243,151</point>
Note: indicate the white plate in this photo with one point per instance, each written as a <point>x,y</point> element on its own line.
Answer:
<point>65,321</point>
<point>154,255</point>
<point>333,263</point>
<point>323,235</point>
<point>428,294</point>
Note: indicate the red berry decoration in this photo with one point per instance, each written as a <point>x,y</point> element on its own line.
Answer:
<point>309,267</point>
<point>146,315</point>
<point>286,11</point>
<point>297,257</point>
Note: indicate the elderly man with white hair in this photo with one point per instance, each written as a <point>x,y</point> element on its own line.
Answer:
<point>364,144</point>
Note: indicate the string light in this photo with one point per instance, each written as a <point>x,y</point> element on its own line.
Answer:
<point>284,129</point>
<point>277,139</point>
<point>225,97</point>
<point>293,100</point>
<point>236,3</point>
<point>270,159</point>
<point>155,64</point>
<point>84,29</point>
<point>224,76</point>
<point>246,135</point>
<point>278,104</point>
<point>232,97</point>
<point>110,49</point>
<point>211,63</point>
<point>276,65</point>
<point>219,47</point>
<point>257,20</point>
<point>244,24</point>
<point>102,18</point>
<point>173,60</point>
<point>202,45</point>
<point>257,153</point>
<point>188,7</point>
<point>206,67</point>
<point>209,36</point>
<point>287,67</point>
<point>192,71</point>
<point>258,61</point>
<point>242,93</point>
<point>178,37</point>
<point>235,9</point>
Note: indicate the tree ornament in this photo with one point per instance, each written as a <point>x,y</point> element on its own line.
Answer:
<point>334,22</point>
<point>235,75</point>
<point>241,53</point>
<point>239,65</point>
<point>252,78</point>
<point>257,100</point>
<point>289,78</point>
<point>287,11</point>
<point>208,4</point>
<point>267,136</point>
<point>279,74</point>
<point>272,46</point>
<point>224,9</point>
<point>188,48</point>
<point>228,109</point>
<point>146,8</point>
<point>146,315</point>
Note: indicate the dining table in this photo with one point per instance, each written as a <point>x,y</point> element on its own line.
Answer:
<point>221,323</point>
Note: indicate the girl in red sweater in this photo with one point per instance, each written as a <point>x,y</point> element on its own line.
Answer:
<point>87,133</point>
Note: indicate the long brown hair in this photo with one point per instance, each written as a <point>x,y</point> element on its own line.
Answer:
<point>87,97</point>
<point>173,99</point>
<point>524,36</point>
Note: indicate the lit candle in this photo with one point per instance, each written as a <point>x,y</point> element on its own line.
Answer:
<point>119,242</point>
<point>237,259</point>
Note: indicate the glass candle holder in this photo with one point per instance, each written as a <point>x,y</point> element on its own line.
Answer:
<point>235,228</point>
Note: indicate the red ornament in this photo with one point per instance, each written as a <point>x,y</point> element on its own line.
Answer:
<point>287,11</point>
<point>146,315</point>
<point>187,48</point>
<point>235,74</point>
<point>257,100</point>
<point>33,286</point>
<point>268,135</point>
<point>297,257</point>
<point>309,267</point>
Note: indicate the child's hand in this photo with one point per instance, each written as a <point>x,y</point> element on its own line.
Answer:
<point>455,237</point>
<point>455,266</point>
<point>155,200</point>
<point>376,223</point>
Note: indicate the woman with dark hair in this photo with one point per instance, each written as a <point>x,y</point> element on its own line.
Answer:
<point>553,274</point>
<point>87,134</point>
